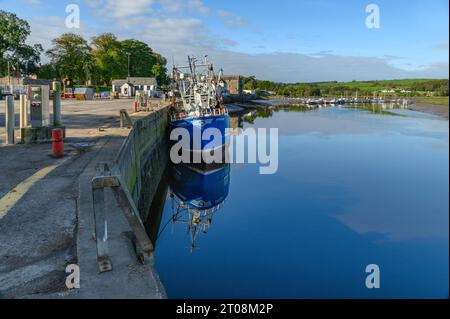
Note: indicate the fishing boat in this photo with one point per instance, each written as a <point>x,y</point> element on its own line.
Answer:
<point>199,106</point>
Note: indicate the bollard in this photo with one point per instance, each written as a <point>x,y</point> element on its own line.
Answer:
<point>56,103</point>
<point>57,142</point>
<point>139,104</point>
<point>22,106</point>
<point>23,110</point>
<point>125,117</point>
<point>26,109</point>
<point>23,113</point>
<point>10,139</point>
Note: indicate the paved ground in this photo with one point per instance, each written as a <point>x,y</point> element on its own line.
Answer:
<point>82,118</point>
<point>40,210</point>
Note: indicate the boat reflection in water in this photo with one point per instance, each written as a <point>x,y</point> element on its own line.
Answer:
<point>198,192</point>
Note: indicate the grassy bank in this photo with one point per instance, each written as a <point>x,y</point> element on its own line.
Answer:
<point>432,100</point>
<point>385,88</point>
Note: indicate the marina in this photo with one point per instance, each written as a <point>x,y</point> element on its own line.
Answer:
<point>197,215</point>
<point>318,102</point>
<point>307,225</point>
<point>235,158</point>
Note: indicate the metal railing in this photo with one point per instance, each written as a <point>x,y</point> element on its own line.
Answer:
<point>210,112</point>
<point>107,178</point>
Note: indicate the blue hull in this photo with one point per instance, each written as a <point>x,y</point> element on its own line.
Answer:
<point>197,127</point>
<point>200,189</point>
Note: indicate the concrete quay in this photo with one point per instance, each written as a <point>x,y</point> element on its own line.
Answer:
<point>46,212</point>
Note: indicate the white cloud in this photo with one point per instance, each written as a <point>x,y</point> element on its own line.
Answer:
<point>184,6</point>
<point>120,8</point>
<point>175,32</point>
<point>292,67</point>
<point>231,20</point>
<point>164,26</point>
<point>45,29</point>
<point>176,36</point>
<point>156,8</point>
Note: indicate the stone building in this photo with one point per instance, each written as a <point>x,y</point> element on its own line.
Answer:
<point>234,84</point>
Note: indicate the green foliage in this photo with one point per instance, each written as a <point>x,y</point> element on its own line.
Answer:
<point>13,35</point>
<point>250,83</point>
<point>47,71</point>
<point>144,62</point>
<point>105,60</point>
<point>159,71</point>
<point>347,89</point>
<point>109,58</point>
<point>71,56</point>
<point>417,86</point>
<point>13,31</point>
<point>98,89</point>
<point>433,100</point>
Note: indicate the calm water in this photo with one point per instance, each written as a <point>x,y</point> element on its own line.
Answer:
<point>353,188</point>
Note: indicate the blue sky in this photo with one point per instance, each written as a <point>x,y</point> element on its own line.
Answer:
<point>284,40</point>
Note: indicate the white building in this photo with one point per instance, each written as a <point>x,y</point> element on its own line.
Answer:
<point>252,92</point>
<point>129,87</point>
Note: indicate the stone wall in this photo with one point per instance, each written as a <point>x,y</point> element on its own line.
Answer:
<point>143,158</point>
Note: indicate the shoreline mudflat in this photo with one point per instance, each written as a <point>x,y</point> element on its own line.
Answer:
<point>439,110</point>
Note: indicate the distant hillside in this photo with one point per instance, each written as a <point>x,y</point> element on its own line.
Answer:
<point>404,87</point>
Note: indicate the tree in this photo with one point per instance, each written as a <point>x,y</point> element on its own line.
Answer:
<point>47,71</point>
<point>28,57</point>
<point>159,71</point>
<point>250,83</point>
<point>109,58</point>
<point>141,57</point>
<point>144,62</point>
<point>71,56</point>
<point>13,34</point>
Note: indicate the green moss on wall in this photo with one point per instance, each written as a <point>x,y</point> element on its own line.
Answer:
<point>132,178</point>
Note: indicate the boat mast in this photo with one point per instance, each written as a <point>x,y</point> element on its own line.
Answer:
<point>209,80</point>
<point>200,90</point>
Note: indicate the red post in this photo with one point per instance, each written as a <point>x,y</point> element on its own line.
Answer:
<point>135,106</point>
<point>57,142</point>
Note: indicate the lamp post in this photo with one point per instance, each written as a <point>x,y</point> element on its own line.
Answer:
<point>27,79</point>
<point>87,70</point>
<point>9,78</point>
<point>129,54</point>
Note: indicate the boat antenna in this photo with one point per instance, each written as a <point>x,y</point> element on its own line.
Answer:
<point>191,62</point>
<point>219,94</point>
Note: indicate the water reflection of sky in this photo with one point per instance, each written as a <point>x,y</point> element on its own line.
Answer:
<point>353,188</point>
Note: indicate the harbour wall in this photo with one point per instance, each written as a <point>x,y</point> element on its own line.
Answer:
<point>139,156</point>
<point>143,157</point>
